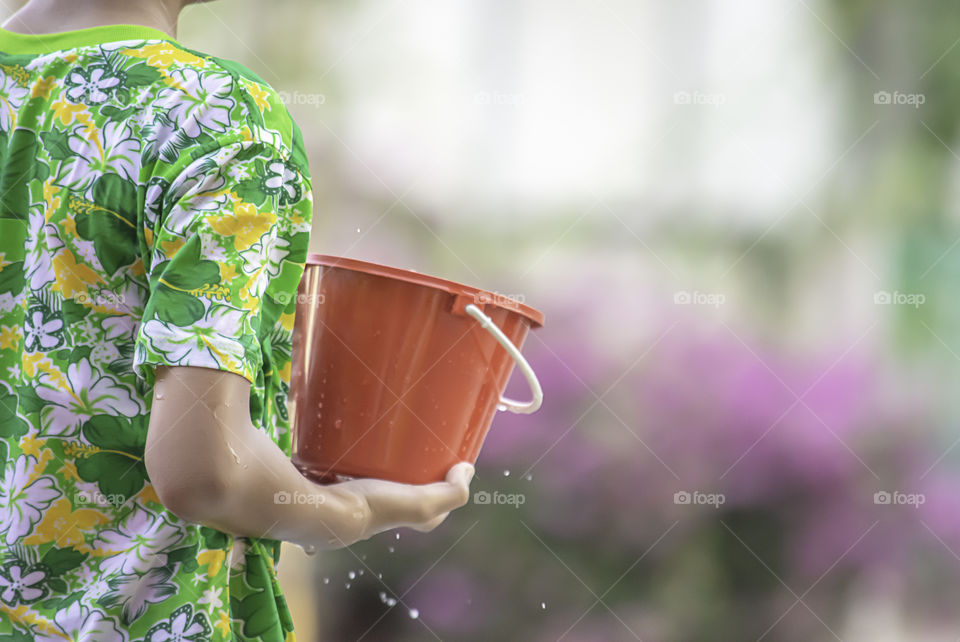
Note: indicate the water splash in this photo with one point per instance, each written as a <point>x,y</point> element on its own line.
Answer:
<point>220,420</point>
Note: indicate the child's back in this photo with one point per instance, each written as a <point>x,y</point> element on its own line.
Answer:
<point>154,209</point>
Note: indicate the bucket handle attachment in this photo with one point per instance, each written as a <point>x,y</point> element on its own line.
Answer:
<point>519,407</point>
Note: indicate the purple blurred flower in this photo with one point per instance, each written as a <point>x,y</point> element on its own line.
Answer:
<point>451,600</point>
<point>941,508</point>
<point>722,414</point>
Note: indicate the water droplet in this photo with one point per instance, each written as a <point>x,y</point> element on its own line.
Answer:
<point>391,549</point>
<point>338,423</point>
<point>543,606</point>
<point>358,230</point>
<point>506,473</point>
<point>326,580</point>
<point>529,477</point>
<point>352,575</point>
<point>361,571</point>
<point>347,585</point>
<point>414,614</point>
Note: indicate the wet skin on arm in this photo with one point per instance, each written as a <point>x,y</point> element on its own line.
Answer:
<point>210,464</point>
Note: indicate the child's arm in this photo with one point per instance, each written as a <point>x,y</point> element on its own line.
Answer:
<point>209,464</point>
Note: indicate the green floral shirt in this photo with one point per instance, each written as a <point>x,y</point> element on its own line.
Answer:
<point>155,208</point>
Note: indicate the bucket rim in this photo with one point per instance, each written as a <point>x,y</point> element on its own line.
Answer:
<point>417,278</point>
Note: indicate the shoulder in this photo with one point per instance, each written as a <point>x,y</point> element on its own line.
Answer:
<point>236,102</point>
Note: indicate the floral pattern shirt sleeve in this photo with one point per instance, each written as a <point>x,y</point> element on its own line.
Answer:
<point>155,208</point>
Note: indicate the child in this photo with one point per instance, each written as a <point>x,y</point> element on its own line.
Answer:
<point>155,212</point>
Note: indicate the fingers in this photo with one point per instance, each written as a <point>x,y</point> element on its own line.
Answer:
<point>429,501</point>
<point>460,473</point>
<point>442,497</point>
<point>455,491</point>
<point>419,506</point>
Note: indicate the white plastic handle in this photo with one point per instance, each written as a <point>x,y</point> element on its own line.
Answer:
<point>519,407</point>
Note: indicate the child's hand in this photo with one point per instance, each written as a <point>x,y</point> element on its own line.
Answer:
<point>385,505</point>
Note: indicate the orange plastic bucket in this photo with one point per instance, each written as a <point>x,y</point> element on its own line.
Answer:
<point>398,375</point>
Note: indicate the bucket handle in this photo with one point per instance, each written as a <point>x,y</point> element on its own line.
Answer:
<point>519,407</point>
